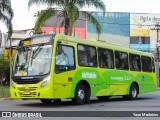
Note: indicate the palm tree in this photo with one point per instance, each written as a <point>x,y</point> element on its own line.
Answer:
<point>6,14</point>
<point>69,12</point>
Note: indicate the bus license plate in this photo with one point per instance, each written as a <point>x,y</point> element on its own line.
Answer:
<point>26,93</point>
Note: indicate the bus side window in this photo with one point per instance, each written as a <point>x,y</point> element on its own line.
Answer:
<point>87,56</point>
<point>146,64</point>
<point>106,58</point>
<point>134,62</point>
<point>121,60</point>
<point>102,59</point>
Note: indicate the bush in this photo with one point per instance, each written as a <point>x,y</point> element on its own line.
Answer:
<point>4,69</point>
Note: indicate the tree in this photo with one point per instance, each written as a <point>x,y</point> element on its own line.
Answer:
<point>6,14</point>
<point>5,68</point>
<point>69,12</point>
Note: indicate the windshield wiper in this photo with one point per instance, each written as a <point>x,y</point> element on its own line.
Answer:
<point>36,52</point>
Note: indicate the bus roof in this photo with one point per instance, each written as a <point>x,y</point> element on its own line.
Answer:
<point>38,35</point>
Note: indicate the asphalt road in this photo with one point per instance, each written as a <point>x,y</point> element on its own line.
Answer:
<point>147,102</point>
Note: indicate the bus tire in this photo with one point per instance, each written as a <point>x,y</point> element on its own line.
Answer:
<point>103,98</point>
<point>46,101</point>
<point>80,95</point>
<point>133,93</point>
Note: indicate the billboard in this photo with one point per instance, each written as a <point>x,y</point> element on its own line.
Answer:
<point>141,28</point>
<point>140,43</point>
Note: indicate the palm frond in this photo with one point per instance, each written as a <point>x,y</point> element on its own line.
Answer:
<point>94,22</point>
<point>45,2</point>
<point>80,3</point>
<point>3,17</point>
<point>8,10</point>
<point>42,17</point>
<point>36,2</point>
<point>99,4</point>
<point>6,15</point>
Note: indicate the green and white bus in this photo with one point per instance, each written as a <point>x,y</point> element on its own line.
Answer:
<point>53,67</point>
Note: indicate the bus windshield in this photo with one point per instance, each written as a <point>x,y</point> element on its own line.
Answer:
<point>32,60</point>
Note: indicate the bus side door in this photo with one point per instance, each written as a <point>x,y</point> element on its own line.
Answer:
<point>64,69</point>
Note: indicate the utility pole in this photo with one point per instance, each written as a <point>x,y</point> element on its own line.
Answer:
<point>10,59</point>
<point>157,28</point>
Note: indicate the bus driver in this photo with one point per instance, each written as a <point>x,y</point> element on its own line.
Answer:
<point>61,58</point>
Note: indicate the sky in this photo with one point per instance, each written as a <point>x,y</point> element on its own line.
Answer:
<point>24,18</point>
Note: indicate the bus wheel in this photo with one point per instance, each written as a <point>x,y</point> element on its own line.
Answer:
<point>46,101</point>
<point>103,98</point>
<point>133,93</point>
<point>80,95</point>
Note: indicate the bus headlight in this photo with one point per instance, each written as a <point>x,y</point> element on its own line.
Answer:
<point>45,81</point>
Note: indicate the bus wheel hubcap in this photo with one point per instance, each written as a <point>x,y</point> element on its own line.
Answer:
<point>81,94</point>
<point>134,92</point>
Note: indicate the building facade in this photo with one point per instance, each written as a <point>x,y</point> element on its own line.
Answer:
<point>18,35</point>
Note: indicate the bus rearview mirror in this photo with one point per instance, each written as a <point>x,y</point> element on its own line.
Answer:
<point>59,49</point>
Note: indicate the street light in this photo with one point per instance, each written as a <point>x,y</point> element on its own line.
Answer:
<point>10,59</point>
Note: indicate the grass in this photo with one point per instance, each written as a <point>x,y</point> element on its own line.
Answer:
<point>4,91</point>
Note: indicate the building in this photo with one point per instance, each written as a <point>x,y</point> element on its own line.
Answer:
<point>18,35</point>
<point>130,30</point>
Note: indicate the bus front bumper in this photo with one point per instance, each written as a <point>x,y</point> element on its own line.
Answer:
<point>30,91</point>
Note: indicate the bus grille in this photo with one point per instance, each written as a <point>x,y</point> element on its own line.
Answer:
<point>29,89</point>
<point>27,81</point>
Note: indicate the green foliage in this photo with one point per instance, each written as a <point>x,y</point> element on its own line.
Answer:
<point>42,17</point>
<point>4,68</point>
<point>94,22</point>
<point>6,15</point>
<point>4,92</point>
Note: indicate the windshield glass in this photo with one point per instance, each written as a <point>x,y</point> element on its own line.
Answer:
<point>32,60</point>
